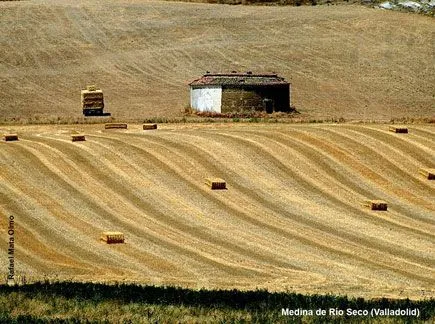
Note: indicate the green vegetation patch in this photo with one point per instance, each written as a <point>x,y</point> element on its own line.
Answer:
<point>93,302</point>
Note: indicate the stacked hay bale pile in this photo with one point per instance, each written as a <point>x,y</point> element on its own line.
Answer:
<point>92,101</point>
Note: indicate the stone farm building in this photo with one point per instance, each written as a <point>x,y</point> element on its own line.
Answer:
<point>232,92</point>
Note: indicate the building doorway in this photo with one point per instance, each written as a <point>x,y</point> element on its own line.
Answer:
<point>268,105</point>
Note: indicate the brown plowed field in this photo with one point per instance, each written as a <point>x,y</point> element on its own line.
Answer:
<point>292,217</point>
<point>343,61</point>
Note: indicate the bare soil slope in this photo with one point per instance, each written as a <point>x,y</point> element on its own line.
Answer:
<point>292,217</point>
<point>343,61</point>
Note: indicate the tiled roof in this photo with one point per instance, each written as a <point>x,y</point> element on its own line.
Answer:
<point>239,79</point>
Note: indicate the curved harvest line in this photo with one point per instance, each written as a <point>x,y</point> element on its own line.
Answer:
<point>381,248</point>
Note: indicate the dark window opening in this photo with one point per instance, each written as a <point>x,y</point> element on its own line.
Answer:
<point>268,105</point>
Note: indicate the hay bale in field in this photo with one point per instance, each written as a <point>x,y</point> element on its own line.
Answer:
<point>397,129</point>
<point>78,137</point>
<point>428,173</point>
<point>92,101</point>
<point>112,237</point>
<point>10,137</point>
<point>376,204</point>
<point>216,183</point>
<point>149,126</point>
<point>115,126</point>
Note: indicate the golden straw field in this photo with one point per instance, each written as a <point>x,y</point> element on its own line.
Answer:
<point>294,214</point>
<point>343,61</point>
<point>292,217</point>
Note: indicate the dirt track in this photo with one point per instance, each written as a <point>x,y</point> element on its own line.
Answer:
<point>343,61</point>
<point>291,218</point>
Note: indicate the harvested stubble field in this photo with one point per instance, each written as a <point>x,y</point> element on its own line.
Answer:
<point>343,61</point>
<point>292,217</point>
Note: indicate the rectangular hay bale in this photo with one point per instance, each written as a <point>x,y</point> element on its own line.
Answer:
<point>78,137</point>
<point>397,129</point>
<point>149,126</point>
<point>216,183</point>
<point>376,204</point>
<point>112,237</point>
<point>115,126</point>
<point>10,137</point>
<point>428,173</point>
<point>92,96</point>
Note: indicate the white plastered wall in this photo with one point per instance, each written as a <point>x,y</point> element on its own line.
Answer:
<point>206,99</point>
